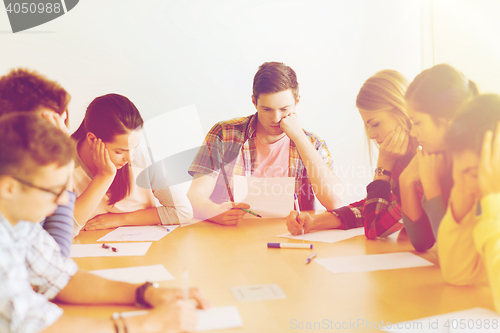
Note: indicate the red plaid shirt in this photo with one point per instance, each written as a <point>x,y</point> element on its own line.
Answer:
<point>232,142</point>
<point>380,211</point>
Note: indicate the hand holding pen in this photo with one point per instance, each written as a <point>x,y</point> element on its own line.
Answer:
<point>299,224</point>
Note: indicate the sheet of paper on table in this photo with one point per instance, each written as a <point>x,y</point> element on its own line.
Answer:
<point>466,321</point>
<point>215,318</point>
<point>218,318</point>
<point>268,197</point>
<point>150,233</point>
<point>96,250</point>
<point>258,292</point>
<point>327,236</point>
<point>137,274</point>
<point>372,262</point>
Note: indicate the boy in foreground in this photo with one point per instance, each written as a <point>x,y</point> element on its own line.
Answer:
<point>37,162</point>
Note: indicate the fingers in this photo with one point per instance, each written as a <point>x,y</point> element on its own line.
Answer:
<point>196,294</point>
<point>387,140</point>
<point>242,205</point>
<point>485,161</point>
<point>56,120</point>
<point>394,140</point>
<point>293,226</point>
<point>495,154</point>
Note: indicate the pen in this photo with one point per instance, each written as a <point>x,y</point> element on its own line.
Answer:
<point>311,257</point>
<point>105,246</point>
<point>250,212</point>
<point>185,282</point>
<point>297,207</point>
<point>289,246</point>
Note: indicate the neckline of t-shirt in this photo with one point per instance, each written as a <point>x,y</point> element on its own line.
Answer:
<point>270,145</point>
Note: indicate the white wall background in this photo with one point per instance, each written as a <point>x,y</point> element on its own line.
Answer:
<point>466,36</point>
<point>168,54</point>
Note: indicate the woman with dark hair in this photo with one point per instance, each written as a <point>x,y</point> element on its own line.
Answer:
<point>108,141</point>
<point>432,100</point>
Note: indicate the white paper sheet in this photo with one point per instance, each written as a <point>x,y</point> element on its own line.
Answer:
<point>268,197</point>
<point>218,318</point>
<point>327,236</point>
<point>96,250</point>
<point>471,321</point>
<point>215,318</point>
<point>372,262</point>
<point>150,233</point>
<point>138,274</point>
<point>258,292</point>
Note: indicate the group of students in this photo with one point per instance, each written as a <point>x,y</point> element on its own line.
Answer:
<point>437,176</point>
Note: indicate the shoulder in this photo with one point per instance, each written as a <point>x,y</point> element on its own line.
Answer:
<point>235,123</point>
<point>228,130</point>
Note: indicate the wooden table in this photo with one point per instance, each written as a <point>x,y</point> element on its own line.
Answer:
<point>220,257</point>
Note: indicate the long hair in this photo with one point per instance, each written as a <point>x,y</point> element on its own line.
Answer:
<point>385,91</point>
<point>106,117</point>
<point>474,119</point>
<point>440,91</point>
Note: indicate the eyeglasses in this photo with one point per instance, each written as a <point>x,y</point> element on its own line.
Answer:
<point>27,183</point>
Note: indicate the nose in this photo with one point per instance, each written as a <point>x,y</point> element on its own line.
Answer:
<point>128,156</point>
<point>277,116</point>
<point>371,134</point>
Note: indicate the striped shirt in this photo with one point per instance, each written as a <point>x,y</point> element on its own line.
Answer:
<point>60,224</point>
<point>32,271</point>
<point>232,143</point>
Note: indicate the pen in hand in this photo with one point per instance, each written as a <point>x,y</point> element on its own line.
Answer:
<point>296,201</point>
<point>185,284</point>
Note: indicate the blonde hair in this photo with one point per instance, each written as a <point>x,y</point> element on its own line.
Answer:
<point>385,91</point>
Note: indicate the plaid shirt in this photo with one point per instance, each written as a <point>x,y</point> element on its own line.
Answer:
<point>232,142</point>
<point>32,271</point>
<point>380,212</point>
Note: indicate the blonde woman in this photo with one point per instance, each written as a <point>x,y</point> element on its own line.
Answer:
<point>381,105</point>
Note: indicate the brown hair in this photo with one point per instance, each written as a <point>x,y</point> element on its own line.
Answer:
<point>273,77</point>
<point>28,141</point>
<point>29,91</point>
<point>474,119</point>
<point>440,91</point>
<point>106,117</point>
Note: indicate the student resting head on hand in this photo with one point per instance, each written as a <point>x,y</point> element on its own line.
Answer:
<point>468,239</point>
<point>381,104</point>
<point>108,141</point>
<point>37,163</point>
<point>432,99</point>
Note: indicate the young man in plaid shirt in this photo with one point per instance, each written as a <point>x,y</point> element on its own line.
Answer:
<point>270,143</point>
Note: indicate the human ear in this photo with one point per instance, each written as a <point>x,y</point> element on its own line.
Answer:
<point>254,101</point>
<point>297,100</point>
<point>91,138</point>
<point>7,187</point>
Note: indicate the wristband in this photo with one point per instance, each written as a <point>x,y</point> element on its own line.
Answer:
<point>139,294</point>
<point>382,172</point>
